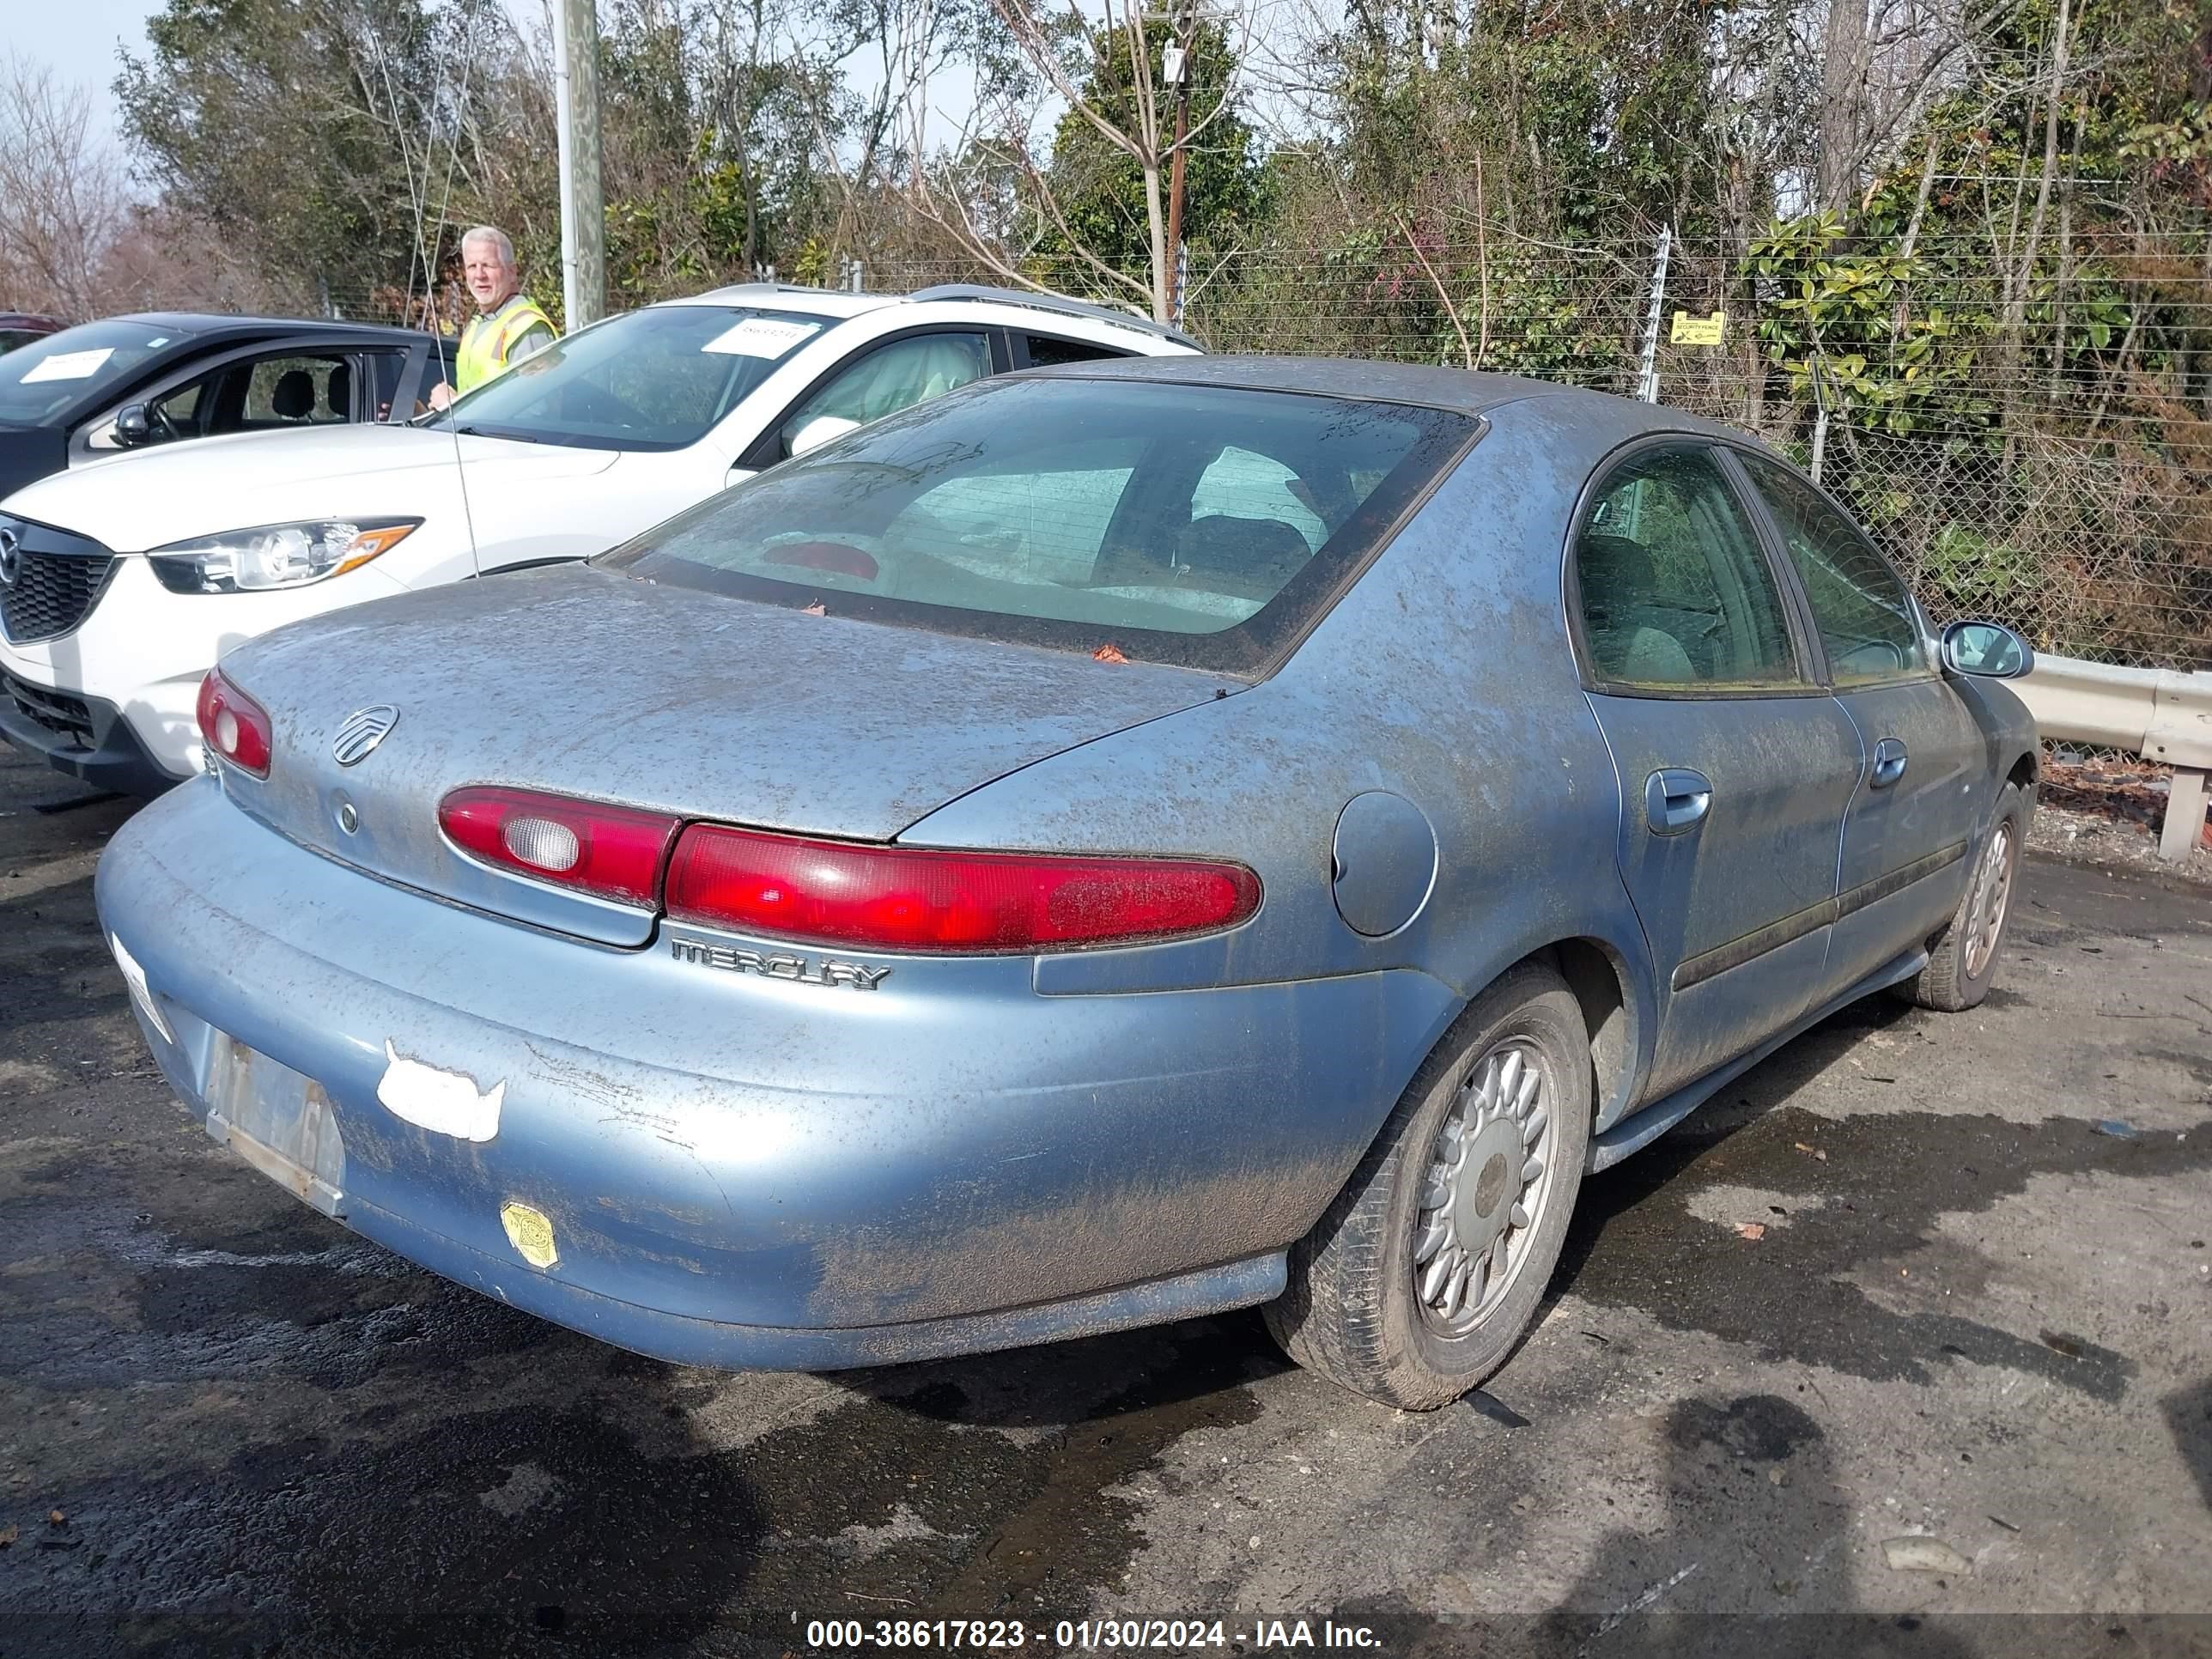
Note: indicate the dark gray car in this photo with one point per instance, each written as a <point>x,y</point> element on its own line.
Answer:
<point>164,377</point>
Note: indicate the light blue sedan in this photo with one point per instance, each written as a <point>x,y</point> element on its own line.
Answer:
<point>1111,844</point>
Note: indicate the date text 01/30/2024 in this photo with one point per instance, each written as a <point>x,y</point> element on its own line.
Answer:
<point>1091,1635</point>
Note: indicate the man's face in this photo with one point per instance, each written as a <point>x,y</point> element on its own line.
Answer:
<point>490,278</point>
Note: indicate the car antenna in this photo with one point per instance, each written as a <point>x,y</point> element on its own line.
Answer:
<point>430,299</point>
<point>461,477</point>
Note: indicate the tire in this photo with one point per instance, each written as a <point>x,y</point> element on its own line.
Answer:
<point>1354,1310</point>
<point>1963,963</point>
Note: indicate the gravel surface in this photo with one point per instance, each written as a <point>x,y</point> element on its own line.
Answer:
<point>2108,810</point>
<point>1902,1346</point>
<point>2100,838</point>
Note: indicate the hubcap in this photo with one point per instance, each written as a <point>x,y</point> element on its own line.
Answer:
<point>1986,911</point>
<point>1488,1179</point>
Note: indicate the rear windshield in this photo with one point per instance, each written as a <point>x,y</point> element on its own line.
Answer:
<point>653,379</point>
<point>53,373</point>
<point>1201,525</point>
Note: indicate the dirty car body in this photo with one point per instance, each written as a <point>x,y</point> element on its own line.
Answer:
<point>1310,639</point>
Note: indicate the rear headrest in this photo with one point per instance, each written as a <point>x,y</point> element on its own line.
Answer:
<point>294,399</point>
<point>1613,567</point>
<point>337,392</point>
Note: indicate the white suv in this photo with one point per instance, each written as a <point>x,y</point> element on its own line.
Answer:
<point>122,582</point>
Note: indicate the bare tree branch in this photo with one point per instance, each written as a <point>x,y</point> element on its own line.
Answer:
<point>1466,350</point>
<point>62,206</point>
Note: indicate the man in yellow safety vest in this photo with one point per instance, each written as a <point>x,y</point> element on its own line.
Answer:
<point>508,327</point>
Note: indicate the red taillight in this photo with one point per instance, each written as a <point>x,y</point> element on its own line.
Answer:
<point>903,899</point>
<point>233,725</point>
<point>613,852</point>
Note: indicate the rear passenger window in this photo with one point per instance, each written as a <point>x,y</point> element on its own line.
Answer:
<point>893,377</point>
<point>1867,625</point>
<point>1674,590</point>
<point>1045,351</point>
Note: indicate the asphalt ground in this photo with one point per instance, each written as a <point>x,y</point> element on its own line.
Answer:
<point>1955,1398</point>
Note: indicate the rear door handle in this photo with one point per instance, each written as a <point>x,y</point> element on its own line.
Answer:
<point>1675,800</point>
<point>1888,763</point>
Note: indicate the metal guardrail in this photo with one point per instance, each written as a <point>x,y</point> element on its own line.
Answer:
<point>2156,713</point>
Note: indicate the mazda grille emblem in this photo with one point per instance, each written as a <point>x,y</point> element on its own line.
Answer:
<point>11,557</point>
<point>363,730</point>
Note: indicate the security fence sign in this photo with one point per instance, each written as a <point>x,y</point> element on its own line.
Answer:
<point>1699,331</point>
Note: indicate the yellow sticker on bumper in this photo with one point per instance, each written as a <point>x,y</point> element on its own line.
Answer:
<point>531,1232</point>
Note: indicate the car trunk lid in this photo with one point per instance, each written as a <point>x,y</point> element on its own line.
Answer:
<point>582,683</point>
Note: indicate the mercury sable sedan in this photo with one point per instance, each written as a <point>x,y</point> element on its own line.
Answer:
<point>1110,844</point>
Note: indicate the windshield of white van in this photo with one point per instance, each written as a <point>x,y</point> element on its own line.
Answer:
<point>37,381</point>
<point>653,379</point>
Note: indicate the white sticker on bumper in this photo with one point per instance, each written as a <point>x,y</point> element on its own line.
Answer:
<point>446,1103</point>
<point>135,977</point>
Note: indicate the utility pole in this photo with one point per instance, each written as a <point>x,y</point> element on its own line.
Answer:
<point>583,209</point>
<point>1176,69</point>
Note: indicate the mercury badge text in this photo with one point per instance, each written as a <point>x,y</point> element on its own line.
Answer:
<point>804,970</point>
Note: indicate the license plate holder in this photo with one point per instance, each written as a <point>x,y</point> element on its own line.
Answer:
<point>279,1121</point>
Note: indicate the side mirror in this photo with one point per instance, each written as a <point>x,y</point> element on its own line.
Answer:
<point>817,432</point>
<point>1989,650</point>
<point>133,426</point>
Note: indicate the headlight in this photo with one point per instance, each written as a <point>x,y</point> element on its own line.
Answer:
<point>276,555</point>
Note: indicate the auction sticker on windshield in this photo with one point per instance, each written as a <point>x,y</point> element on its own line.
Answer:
<point>70,365</point>
<point>761,337</point>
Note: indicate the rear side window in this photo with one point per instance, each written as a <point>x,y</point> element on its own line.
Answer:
<point>893,377</point>
<point>1674,590</point>
<point>1045,351</point>
<point>1867,625</point>
<point>1196,524</point>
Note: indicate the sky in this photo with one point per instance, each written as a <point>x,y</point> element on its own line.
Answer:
<point>78,40</point>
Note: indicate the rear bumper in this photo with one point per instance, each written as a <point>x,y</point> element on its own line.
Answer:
<point>684,1340</point>
<point>84,736</point>
<point>747,1172</point>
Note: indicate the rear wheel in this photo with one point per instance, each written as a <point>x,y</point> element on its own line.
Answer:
<point>1427,1270</point>
<point>1964,962</point>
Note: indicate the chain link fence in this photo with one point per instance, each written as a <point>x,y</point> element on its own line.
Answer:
<point>2055,474</point>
